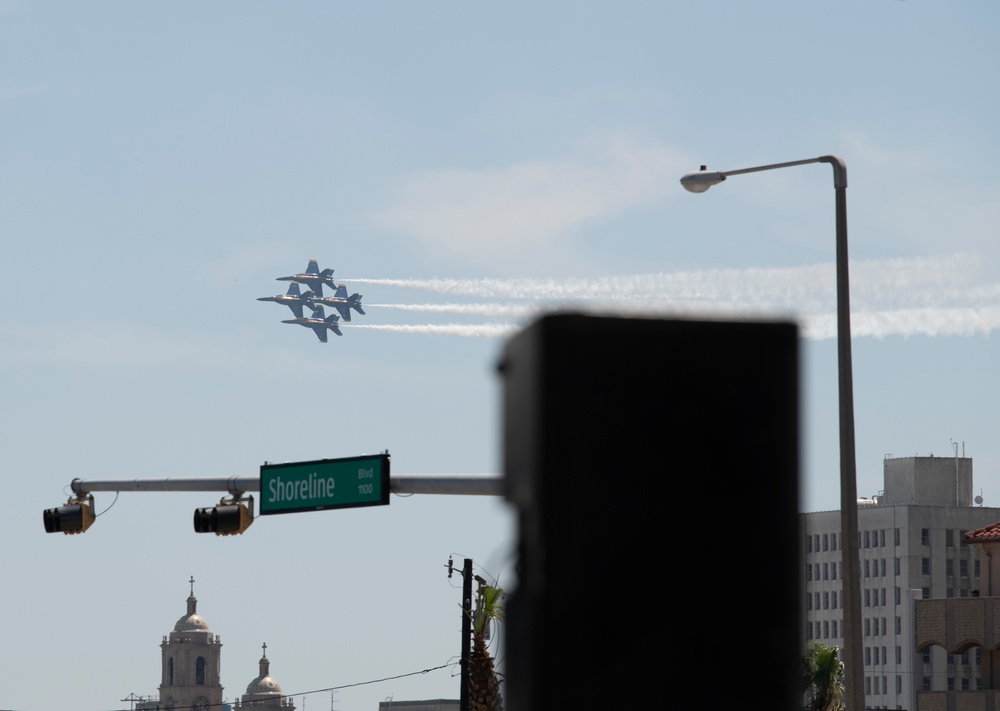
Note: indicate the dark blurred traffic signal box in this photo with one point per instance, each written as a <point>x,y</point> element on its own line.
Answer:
<point>654,468</point>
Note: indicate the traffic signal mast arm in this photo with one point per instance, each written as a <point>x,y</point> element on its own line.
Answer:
<point>460,484</point>
<point>234,515</point>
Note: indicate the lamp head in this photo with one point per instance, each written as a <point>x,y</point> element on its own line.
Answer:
<point>701,180</point>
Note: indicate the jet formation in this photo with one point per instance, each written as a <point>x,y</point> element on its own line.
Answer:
<point>313,299</point>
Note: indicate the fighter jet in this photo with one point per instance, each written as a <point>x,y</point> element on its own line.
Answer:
<point>342,302</point>
<point>313,277</point>
<point>293,299</point>
<point>319,323</point>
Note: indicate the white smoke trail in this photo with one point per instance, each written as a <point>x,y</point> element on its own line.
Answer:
<point>482,330</point>
<point>916,296</point>
<point>924,278</point>
<point>487,310</point>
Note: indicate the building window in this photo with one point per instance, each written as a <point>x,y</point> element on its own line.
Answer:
<point>899,595</point>
<point>975,567</point>
<point>883,567</point>
<point>809,544</point>
<point>816,543</point>
<point>868,686</point>
<point>951,683</point>
<point>816,595</point>
<point>170,672</point>
<point>899,654</point>
<point>809,630</point>
<point>925,536</point>
<point>925,566</point>
<point>868,656</point>
<point>874,626</point>
<point>826,571</point>
<point>826,629</point>
<point>867,539</point>
<point>833,570</point>
<point>950,592</point>
<point>965,684</point>
<point>809,601</point>
<point>885,627</point>
<point>949,566</point>
<point>875,685</point>
<point>826,542</point>
<point>868,627</point>
<point>199,671</point>
<point>925,593</point>
<point>816,571</point>
<point>896,567</point>
<point>895,538</point>
<point>949,537</point>
<point>883,597</point>
<point>881,538</point>
<point>826,601</point>
<point>835,542</point>
<point>868,598</point>
<point>963,568</point>
<point>927,683</point>
<point>875,655</point>
<point>833,600</point>
<point>899,625</point>
<point>834,630</point>
<point>867,562</point>
<point>899,684</point>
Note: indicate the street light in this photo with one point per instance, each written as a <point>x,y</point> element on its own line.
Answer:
<point>700,181</point>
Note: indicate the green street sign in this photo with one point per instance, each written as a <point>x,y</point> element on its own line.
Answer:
<point>324,484</point>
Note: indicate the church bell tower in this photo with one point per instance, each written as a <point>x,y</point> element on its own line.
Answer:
<point>191,664</point>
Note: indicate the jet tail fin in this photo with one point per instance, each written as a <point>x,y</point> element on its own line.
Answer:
<point>331,321</point>
<point>355,303</point>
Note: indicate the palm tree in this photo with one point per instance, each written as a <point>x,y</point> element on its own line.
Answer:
<point>823,678</point>
<point>484,686</point>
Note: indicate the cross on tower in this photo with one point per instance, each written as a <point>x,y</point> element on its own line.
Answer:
<point>265,650</point>
<point>192,585</point>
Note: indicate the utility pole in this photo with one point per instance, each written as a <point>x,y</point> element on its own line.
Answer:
<point>463,695</point>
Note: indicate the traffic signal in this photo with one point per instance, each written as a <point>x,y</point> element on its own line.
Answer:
<point>75,517</point>
<point>229,517</point>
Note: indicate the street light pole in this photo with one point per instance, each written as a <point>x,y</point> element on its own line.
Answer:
<point>699,182</point>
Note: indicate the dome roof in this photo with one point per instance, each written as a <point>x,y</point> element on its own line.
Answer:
<point>192,621</point>
<point>264,683</point>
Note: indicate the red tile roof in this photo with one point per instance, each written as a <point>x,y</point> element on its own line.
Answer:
<point>984,534</point>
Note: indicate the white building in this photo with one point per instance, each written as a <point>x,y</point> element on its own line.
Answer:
<point>909,537</point>
<point>190,672</point>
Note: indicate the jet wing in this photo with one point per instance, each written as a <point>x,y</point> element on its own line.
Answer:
<point>296,308</point>
<point>320,332</point>
<point>344,309</point>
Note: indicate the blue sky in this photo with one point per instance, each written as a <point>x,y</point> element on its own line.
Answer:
<point>465,166</point>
